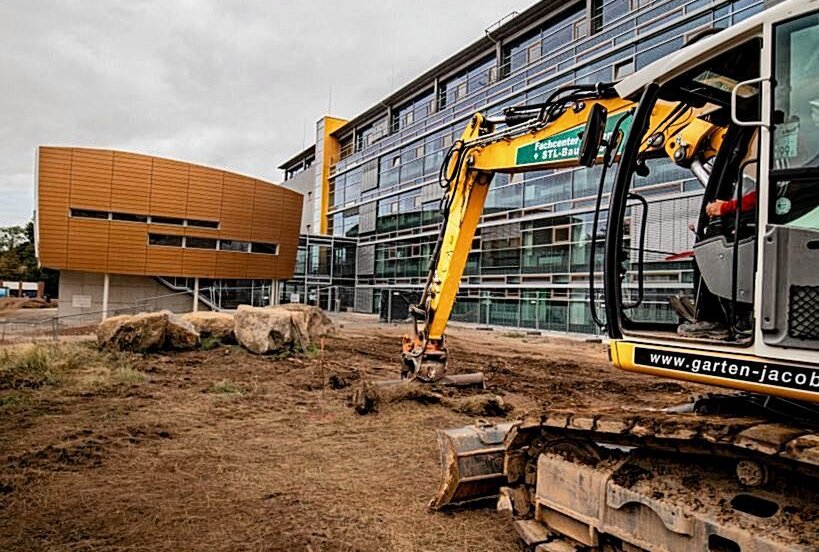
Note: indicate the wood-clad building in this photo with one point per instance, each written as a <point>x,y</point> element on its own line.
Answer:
<point>123,213</point>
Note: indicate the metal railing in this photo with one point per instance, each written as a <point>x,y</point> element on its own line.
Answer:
<point>182,290</point>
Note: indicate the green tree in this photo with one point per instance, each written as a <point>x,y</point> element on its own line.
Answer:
<point>18,260</point>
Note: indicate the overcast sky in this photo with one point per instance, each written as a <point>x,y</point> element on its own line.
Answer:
<point>234,85</point>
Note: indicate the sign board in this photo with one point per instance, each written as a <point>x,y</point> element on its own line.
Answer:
<point>81,301</point>
<point>294,298</point>
<point>564,146</point>
<point>786,141</point>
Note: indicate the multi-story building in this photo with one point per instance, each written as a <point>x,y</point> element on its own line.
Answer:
<point>136,232</point>
<point>375,177</point>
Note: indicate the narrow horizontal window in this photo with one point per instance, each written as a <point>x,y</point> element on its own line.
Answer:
<point>129,217</point>
<point>165,239</point>
<point>167,220</point>
<point>234,245</point>
<point>88,213</point>
<point>266,248</point>
<point>200,243</point>
<point>203,223</point>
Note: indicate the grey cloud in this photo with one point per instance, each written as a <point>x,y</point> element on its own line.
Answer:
<point>228,84</point>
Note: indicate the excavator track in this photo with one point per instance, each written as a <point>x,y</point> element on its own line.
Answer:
<point>642,480</point>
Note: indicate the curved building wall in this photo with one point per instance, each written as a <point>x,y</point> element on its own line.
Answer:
<point>124,213</point>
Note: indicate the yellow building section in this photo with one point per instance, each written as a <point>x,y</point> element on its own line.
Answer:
<point>330,152</point>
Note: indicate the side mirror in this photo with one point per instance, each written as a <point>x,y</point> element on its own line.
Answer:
<point>593,135</point>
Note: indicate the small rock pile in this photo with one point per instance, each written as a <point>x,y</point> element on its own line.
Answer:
<point>262,330</point>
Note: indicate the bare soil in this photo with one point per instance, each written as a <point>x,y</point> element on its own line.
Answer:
<point>225,450</point>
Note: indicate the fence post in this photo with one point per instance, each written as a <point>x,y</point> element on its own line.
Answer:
<point>55,334</point>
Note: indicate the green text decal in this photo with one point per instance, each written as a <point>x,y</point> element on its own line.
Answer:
<point>564,146</point>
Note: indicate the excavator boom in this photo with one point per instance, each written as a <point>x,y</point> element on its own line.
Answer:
<point>546,136</point>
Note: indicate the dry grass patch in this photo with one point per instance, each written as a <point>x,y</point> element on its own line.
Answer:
<point>225,387</point>
<point>34,366</point>
<point>14,401</point>
<point>79,367</point>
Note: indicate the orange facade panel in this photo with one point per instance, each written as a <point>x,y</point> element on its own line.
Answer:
<point>231,263</point>
<point>111,193</point>
<point>91,173</point>
<point>131,183</point>
<point>237,203</point>
<point>127,247</point>
<point>87,244</point>
<point>205,193</point>
<point>163,261</point>
<point>199,262</point>
<point>202,232</point>
<point>287,260</point>
<point>267,206</point>
<point>169,188</point>
<point>263,267</point>
<point>54,184</point>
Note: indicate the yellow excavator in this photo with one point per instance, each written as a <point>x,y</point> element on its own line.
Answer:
<point>727,472</point>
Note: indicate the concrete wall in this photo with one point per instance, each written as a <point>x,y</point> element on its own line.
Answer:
<point>304,183</point>
<point>124,291</point>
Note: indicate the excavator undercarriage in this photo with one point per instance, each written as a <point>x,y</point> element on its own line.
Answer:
<point>641,480</point>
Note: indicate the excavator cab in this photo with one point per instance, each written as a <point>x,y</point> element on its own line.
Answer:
<point>678,236</point>
<point>746,246</point>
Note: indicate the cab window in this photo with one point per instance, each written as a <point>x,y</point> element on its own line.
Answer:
<point>794,179</point>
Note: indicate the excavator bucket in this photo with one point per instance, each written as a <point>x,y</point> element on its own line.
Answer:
<point>471,463</point>
<point>426,362</point>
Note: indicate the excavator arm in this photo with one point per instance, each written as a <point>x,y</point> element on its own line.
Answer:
<point>543,136</point>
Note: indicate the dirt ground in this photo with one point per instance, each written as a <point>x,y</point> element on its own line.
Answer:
<point>224,450</point>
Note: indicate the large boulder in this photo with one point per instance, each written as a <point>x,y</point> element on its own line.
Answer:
<point>218,325</point>
<point>107,329</point>
<point>180,334</point>
<point>267,330</point>
<point>147,331</point>
<point>317,322</point>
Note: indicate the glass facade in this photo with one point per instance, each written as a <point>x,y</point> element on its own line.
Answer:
<point>529,263</point>
<point>324,274</point>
